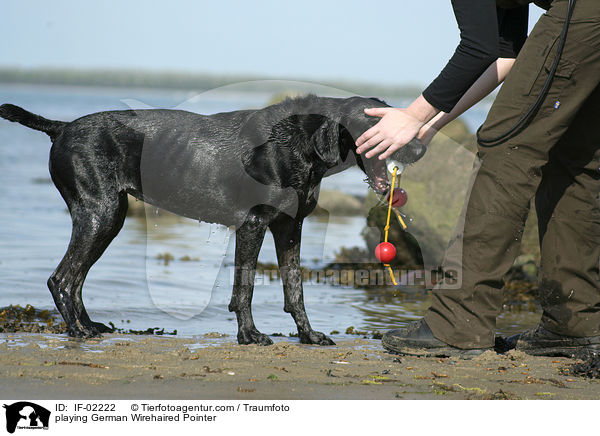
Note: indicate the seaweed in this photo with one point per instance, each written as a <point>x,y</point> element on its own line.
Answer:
<point>28,319</point>
<point>15,318</point>
<point>589,368</point>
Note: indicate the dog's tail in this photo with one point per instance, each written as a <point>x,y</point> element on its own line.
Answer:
<point>33,121</point>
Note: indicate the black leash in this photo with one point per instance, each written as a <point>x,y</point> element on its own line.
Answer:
<point>532,111</point>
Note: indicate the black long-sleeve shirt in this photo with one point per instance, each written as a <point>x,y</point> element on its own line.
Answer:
<point>486,33</point>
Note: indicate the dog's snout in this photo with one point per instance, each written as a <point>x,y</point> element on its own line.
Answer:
<point>410,153</point>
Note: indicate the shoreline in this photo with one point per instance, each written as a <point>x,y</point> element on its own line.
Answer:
<point>53,366</point>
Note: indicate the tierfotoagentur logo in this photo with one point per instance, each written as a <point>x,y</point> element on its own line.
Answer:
<point>26,415</point>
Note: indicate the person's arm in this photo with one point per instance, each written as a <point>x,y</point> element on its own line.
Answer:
<point>512,33</point>
<point>423,116</point>
<point>478,48</point>
<point>487,33</point>
<point>487,82</point>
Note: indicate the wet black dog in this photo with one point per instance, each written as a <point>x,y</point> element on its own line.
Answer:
<point>252,169</point>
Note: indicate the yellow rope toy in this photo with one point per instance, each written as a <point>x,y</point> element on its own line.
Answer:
<point>387,224</point>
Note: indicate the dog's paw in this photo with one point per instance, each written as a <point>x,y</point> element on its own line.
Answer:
<point>101,328</point>
<point>83,331</point>
<point>314,337</point>
<point>246,337</point>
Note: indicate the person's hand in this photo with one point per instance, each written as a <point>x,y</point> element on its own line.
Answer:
<point>395,129</point>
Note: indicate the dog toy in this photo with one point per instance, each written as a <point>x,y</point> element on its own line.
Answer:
<point>399,198</point>
<point>385,252</point>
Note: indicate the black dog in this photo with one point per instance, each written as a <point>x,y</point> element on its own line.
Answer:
<point>252,169</point>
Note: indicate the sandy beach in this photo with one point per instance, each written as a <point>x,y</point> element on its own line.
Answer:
<point>51,366</point>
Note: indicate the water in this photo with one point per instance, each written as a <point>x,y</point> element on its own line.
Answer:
<point>129,285</point>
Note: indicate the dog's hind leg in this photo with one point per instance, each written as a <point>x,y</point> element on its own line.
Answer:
<point>95,224</point>
<point>287,233</point>
<point>248,240</point>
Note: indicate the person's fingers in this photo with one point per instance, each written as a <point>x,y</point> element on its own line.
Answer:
<point>391,150</point>
<point>366,136</point>
<point>371,142</point>
<point>381,147</point>
<point>377,111</point>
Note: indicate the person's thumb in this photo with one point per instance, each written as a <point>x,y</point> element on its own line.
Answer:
<point>377,111</point>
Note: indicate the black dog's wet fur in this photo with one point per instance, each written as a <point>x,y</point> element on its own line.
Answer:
<point>252,169</point>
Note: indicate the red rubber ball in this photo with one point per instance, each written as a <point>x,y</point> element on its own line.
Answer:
<point>385,252</point>
<point>399,199</point>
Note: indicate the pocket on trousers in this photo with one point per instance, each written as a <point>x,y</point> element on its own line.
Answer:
<point>562,76</point>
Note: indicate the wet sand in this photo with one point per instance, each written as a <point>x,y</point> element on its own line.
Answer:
<point>52,366</point>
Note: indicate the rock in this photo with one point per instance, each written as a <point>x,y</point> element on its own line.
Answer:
<point>517,355</point>
<point>408,251</point>
<point>486,356</point>
<point>339,203</point>
<point>457,131</point>
<point>524,259</point>
<point>525,268</point>
<point>135,207</point>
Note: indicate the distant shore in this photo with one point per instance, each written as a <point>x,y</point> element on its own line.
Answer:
<point>184,81</point>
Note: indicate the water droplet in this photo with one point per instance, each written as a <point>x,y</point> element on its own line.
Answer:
<point>155,225</point>
<point>410,220</point>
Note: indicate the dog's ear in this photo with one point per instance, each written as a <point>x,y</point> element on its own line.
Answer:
<point>345,142</point>
<point>325,142</point>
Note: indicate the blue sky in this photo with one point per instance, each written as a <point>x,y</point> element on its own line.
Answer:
<point>391,42</point>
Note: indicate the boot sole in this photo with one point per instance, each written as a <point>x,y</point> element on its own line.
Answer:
<point>578,352</point>
<point>434,352</point>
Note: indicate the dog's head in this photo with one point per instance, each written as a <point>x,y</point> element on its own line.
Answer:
<point>344,128</point>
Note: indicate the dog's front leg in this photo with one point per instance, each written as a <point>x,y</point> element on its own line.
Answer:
<point>287,233</point>
<point>248,240</point>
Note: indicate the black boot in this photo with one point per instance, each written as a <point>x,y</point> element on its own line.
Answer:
<point>541,342</point>
<point>417,339</point>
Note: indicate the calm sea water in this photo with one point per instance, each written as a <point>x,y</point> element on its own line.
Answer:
<point>129,285</point>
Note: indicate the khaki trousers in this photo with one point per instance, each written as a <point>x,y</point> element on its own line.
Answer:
<point>556,159</point>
